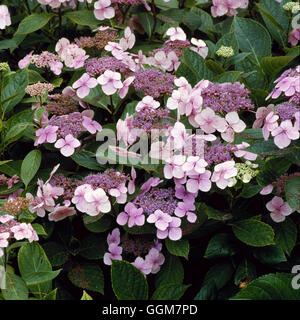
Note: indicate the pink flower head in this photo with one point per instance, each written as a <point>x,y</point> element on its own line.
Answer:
<point>267,190</point>
<point>133,215</point>
<point>294,37</point>
<point>279,209</point>
<point>79,199</point>
<point>102,10</point>
<point>234,124</point>
<point>114,237</point>
<point>261,114</point>
<point>241,152</point>
<point>209,122</point>
<point>179,135</point>
<point>199,182</point>
<point>67,145</point>
<point>61,212</point>
<point>185,209</point>
<point>176,34</point>
<point>184,194</point>
<point>56,67</point>
<point>91,125</point>
<point>131,183</point>
<point>5,20</point>
<point>223,172</point>
<point>173,168</point>
<point>160,219</point>
<point>25,61</point>
<point>222,7</point>
<point>151,182</point>
<point>142,265</point>
<point>155,259</point>
<point>69,91</point>
<point>21,231</point>
<point>270,124</point>
<point>115,252</point>
<point>46,135</point>
<point>3,239</point>
<point>147,101</point>
<point>284,134</point>
<point>84,84</point>
<point>6,218</point>
<point>128,41</point>
<point>126,84</point>
<point>98,202</point>
<point>110,82</point>
<point>194,165</point>
<point>173,231</point>
<point>200,47</point>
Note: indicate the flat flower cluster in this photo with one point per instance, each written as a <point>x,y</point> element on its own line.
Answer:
<point>199,132</point>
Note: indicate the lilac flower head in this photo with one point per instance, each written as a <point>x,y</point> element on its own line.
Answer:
<point>154,82</point>
<point>68,124</point>
<point>97,66</point>
<point>226,97</point>
<point>286,110</point>
<point>157,199</point>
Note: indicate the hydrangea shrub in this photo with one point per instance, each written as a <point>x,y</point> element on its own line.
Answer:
<point>149,149</point>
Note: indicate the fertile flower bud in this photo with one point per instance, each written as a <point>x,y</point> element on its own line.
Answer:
<point>225,52</point>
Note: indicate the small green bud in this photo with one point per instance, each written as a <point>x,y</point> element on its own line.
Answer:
<point>225,52</point>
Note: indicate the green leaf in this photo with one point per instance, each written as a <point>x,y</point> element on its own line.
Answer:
<point>34,77</point>
<point>267,148</point>
<point>285,235</point>
<point>56,253</point>
<point>245,271</point>
<point>40,277</point>
<point>128,282</point>
<point>147,22</point>
<point>207,292</point>
<point>193,68</point>
<point>16,288</point>
<point>87,276</point>
<point>253,232</point>
<point>229,76</point>
<point>276,19</point>
<point>82,17</point>
<point>221,245</point>
<point>252,37</point>
<point>86,159</point>
<point>219,274</point>
<point>171,272</point>
<point>292,193</point>
<point>199,19</point>
<point>102,224</point>
<point>214,213</point>
<point>179,248</point>
<point>269,255</point>
<point>16,132</point>
<point>39,229</point>
<point>86,296</point>
<point>92,247</point>
<point>51,295</point>
<point>30,166</point>
<point>250,190</point>
<point>236,59</point>
<point>270,287</point>
<point>272,65</point>
<point>34,22</point>
<point>171,291</point>
<point>34,265</point>
<point>14,91</point>
<point>273,168</point>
